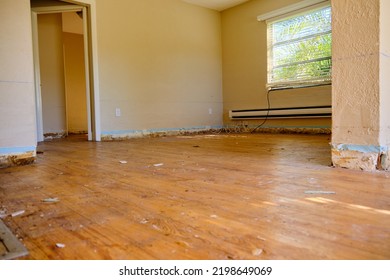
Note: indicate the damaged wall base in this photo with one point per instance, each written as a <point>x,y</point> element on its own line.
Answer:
<point>17,159</point>
<point>367,158</point>
<point>277,130</point>
<point>125,135</point>
<point>131,134</point>
<point>54,135</point>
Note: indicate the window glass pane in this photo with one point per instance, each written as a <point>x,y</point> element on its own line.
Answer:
<point>297,27</point>
<point>300,48</point>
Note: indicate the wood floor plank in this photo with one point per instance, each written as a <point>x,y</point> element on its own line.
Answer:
<point>222,196</point>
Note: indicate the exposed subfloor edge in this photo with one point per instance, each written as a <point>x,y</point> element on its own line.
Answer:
<point>14,248</point>
<point>124,135</point>
<point>278,130</point>
<point>361,157</point>
<point>17,159</point>
<point>54,135</point>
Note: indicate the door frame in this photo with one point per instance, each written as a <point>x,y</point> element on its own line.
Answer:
<point>91,69</point>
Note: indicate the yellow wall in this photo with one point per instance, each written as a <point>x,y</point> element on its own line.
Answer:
<point>361,128</point>
<point>17,99</point>
<point>356,72</point>
<point>52,73</point>
<point>72,23</point>
<point>245,67</point>
<point>385,73</point>
<point>160,63</point>
<point>76,101</point>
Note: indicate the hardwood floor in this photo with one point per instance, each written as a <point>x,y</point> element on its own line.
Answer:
<point>224,196</point>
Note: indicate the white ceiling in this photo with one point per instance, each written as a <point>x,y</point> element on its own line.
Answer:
<point>218,5</point>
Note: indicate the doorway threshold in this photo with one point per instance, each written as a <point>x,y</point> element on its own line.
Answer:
<point>10,246</point>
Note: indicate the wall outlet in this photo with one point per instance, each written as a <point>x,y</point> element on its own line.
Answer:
<point>118,112</point>
<point>210,111</point>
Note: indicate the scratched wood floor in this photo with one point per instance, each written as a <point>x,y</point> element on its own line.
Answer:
<point>224,196</point>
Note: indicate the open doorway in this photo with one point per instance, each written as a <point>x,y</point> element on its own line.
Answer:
<point>65,100</point>
<point>62,71</point>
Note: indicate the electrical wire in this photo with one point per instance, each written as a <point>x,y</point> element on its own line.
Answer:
<point>268,110</point>
<point>283,88</point>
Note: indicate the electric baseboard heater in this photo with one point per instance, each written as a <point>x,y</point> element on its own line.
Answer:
<point>282,113</point>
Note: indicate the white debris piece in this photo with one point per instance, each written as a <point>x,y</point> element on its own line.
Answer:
<point>51,200</point>
<point>320,192</point>
<point>122,161</point>
<point>3,214</point>
<point>156,227</point>
<point>312,180</point>
<point>60,245</point>
<point>158,164</point>
<point>261,238</point>
<point>257,252</point>
<point>17,213</point>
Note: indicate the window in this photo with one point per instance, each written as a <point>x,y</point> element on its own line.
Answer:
<point>299,49</point>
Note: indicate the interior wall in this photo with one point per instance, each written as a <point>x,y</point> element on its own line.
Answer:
<point>52,74</point>
<point>356,99</point>
<point>360,132</point>
<point>244,42</point>
<point>17,98</point>
<point>385,72</point>
<point>74,63</point>
<point>46,3</point>
<point>76,99</point>
<point>72,23</point>
<point>160,64</point>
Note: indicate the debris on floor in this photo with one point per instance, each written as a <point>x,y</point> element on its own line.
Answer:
<point>214,216</point>
<point>320,192</point>
<point>158,164</point>
<point>17,213</point>
<point>51,200</point>
<point>60,245</point>
<point>122,161</point>
<point>3,214</point>
<point>257,252</point>
<point>261,238</point>
<point>156,227</point>
<point>183,244</point>
<point>312,180</point>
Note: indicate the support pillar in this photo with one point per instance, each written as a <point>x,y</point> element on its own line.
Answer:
<point>361,84</point>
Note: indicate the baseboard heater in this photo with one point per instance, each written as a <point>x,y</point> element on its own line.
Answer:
<point>282,113</point>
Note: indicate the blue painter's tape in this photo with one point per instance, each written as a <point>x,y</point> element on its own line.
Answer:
<point>16,150</point>
<point>116,132</point>
<point>157,130</point>
<point>361,148</point>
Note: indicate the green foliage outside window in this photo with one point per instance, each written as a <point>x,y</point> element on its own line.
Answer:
<point>300,48</point>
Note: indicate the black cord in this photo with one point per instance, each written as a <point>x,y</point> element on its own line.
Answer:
<point>268,110</point>
<point>284,88</point>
